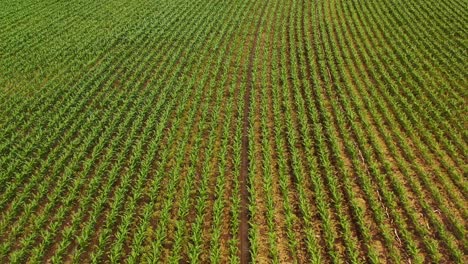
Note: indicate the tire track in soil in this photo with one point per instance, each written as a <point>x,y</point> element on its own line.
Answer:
<point>244,245</point>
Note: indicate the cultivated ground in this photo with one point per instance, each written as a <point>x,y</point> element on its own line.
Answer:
<point>213,131</point>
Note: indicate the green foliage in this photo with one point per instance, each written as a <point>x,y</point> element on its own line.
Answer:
<point>123,128</point>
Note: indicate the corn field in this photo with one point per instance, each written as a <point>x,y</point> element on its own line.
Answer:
<point>214,131</point>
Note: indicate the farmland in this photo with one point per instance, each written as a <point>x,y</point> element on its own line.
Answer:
<point>211,131</point>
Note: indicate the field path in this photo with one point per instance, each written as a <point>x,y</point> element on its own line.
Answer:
<point>244,214</point>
